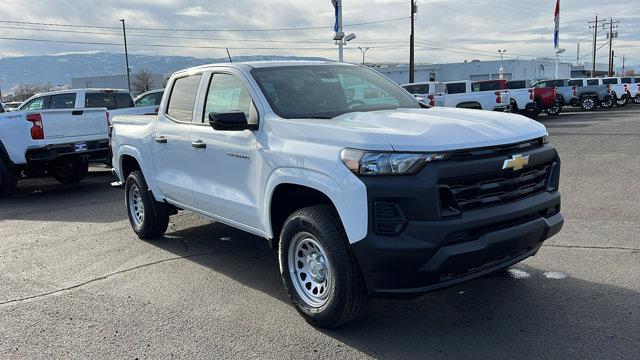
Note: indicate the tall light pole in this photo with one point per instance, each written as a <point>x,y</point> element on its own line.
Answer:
<point>340,38</point>
<point>558,52</point>
<point>412,64</point>
<point>363,50</point>
<point>126,54</point>
<point>501,71</point>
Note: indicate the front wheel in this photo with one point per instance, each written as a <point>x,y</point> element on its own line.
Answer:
<point>321,276</point>
<point>588,103</point>
<point>147,222</point>
<point>622,101</point>
<point>70,172</point>
<point>636,99</point>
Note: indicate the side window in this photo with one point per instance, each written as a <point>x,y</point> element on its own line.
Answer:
<point>183,97</point>
<point>592,82</point>
<point>541,84</point>
<point>637,80</point>
<point>149,100</point>
<point>35,104</point>
<point>556,83</point>
<point>575,82</point>
<point>63,101</point>
<point>123,100</point>
<point>456,88</point>
<point>227,94</point>
<point>626,80</point>
<point>609,81</point>
<point>100,100</point>
<point>518,84</point>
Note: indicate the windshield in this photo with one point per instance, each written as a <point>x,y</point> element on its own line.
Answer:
<point>327,91</point>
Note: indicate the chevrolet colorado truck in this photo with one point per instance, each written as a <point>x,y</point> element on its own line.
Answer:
<point>57,141</point>
<point>578,93</point>
<point>377,196</point>
<point>623,89</point>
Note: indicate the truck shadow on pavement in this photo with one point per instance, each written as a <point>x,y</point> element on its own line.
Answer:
<point>528,314</point>
<point>44,199</point>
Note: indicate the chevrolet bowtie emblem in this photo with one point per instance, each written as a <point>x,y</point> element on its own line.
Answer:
<point>517,162</point>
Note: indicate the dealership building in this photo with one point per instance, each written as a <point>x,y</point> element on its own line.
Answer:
<point>536,69</point>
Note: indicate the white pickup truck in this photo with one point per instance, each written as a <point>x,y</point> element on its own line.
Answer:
<point>623,89</point>
<point>429,92</point>
<point>361,197</point>
<point>461,94</point>
<point>58,142</point>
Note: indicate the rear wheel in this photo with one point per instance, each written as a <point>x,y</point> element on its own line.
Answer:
<point>146,220</point>
<point>607,104</point>
<point>554,110</point>
<point>70,171</point>
<point>320,274</point>
<point>588,103</point>
<point>622,101</point>
<point>636,100</point>
<point>8,179</point>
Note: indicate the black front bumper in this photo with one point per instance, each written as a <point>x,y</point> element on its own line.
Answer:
<point>433,249</point>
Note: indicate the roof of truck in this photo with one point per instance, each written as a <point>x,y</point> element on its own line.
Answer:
<point>263,64</point>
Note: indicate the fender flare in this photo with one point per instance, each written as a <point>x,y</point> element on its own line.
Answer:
<point>4,155</point>
<point>149,175</point>
<point>348,196</point>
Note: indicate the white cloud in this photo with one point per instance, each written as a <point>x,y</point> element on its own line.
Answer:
<point>195,11</point>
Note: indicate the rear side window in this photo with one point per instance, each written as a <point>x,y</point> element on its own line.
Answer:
<point>36,104</point>
<point>63,101</point>
<point>609,81</point>
<point>109,100</point>
<point>626,80</point>
<point>637,80</point>
<point>575,82</point>
<point>417,89</point>
<point>487,86</point>
<point>183,97</point>
<point>592,82</point>
<point>518,84</point>
<point>456,88</point>
<point>123,100</point>
<point>555,83</point>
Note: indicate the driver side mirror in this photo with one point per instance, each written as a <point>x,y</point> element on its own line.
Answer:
<point>230,121</point>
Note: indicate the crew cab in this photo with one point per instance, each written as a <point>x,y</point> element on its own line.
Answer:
<point>58,141</point>
<point>461,94</point>
<point>623,89</point>
<point>361,197</point>
<point>521,95</point>
<point>429,92</point>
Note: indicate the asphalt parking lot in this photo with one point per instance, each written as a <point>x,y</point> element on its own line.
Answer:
<point>75,282</point>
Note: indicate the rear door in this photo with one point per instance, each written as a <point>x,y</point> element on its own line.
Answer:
<point>172,148</point>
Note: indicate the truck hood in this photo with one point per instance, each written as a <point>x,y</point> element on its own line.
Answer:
<point>435,129</point>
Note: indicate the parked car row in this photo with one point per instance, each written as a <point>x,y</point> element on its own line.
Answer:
<point>529,99</point>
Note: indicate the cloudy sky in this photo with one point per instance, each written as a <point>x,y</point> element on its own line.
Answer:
<point>446,30</point>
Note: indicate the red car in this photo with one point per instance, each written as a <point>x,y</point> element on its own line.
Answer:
<point>547,98</point>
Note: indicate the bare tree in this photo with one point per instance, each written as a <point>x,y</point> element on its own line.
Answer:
<point>143,81</point>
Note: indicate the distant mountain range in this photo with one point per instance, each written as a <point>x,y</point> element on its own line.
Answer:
<point>59,69</point>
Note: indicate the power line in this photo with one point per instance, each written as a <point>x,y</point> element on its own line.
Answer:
<point>201,30</point>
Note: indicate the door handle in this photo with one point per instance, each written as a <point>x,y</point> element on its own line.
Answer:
<point>199,144</point>
<point>161,140</point>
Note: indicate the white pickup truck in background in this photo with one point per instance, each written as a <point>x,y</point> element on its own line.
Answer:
<point>58,142</point>
<point>460,94</point>
<point>623,89</point>
<point>429,92</point>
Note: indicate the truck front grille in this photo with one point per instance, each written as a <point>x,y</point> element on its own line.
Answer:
<point>489,189</point>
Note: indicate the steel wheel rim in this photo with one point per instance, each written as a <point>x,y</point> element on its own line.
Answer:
<point>589,104</point>
<point>136,207</point>
<point>622,101</point>
<point>310,269</point>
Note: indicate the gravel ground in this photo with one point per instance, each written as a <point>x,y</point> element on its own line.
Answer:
<point>75,282</point>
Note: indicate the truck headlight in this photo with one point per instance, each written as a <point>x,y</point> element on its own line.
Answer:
<point>362,162</point>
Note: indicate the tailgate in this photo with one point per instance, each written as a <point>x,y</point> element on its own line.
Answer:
<point>68,125</point>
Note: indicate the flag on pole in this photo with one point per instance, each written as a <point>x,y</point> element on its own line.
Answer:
<point>556,33</point>
<point>335,7</point>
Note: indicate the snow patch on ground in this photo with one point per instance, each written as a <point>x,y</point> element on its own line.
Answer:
<point>519,274</point>
<point>554,275</point>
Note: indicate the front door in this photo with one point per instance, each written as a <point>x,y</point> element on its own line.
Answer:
<point>226,172</point>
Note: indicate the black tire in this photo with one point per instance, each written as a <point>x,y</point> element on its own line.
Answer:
<point>8,179</point>
<point>70,171</point>
<point>153,223</point>
<point>622,101</point>
<point>347,296</point>
<point>588,103</point>
<point>608,104</point>
<point>636,100</point>
<point>554,110</point>
<point>534,113</point>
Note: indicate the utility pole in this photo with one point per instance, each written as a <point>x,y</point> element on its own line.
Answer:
<point>412,64</point>
<point>611,35</point>
<point>624,57</point>
<point>595,25</point>
<point>363,50</point>
<point>126,54</point>
<point>613,54</point>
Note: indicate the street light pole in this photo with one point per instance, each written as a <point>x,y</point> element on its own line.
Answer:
<point>126,54</point>
<point>501,71</point>
<point>363,50</point>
